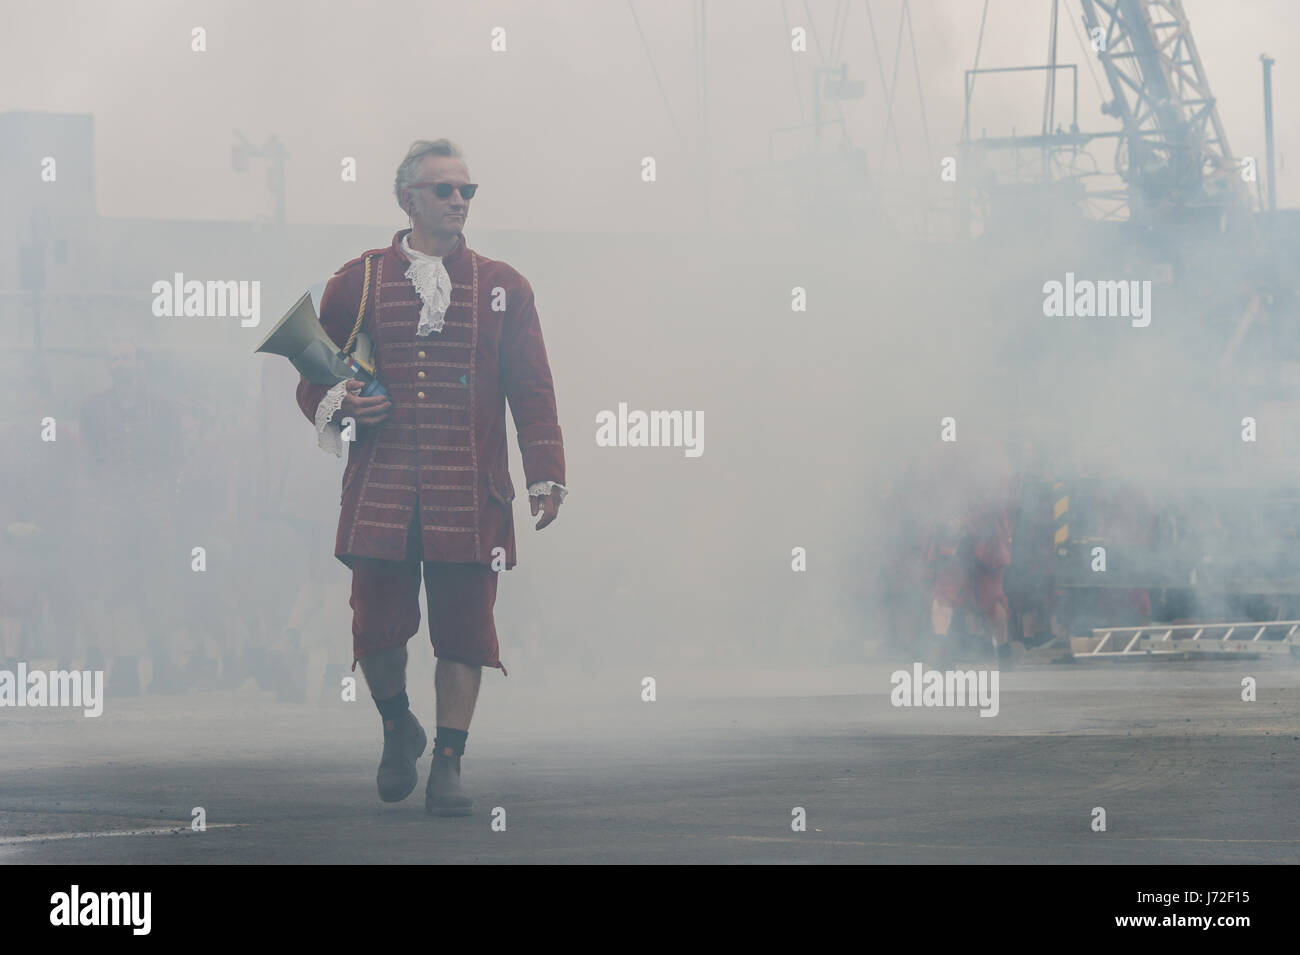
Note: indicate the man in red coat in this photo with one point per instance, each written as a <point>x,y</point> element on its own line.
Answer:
<point>456,336</point>
<point>969,552</point>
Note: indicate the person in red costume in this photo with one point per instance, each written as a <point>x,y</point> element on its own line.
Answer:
<point>969,551</point>
<point>1030,581</point>
<point>427,486</point>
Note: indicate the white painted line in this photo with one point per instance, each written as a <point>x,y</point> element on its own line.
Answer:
<point>171,830</point>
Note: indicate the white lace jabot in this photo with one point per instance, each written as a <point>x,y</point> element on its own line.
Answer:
<point>430,278</point>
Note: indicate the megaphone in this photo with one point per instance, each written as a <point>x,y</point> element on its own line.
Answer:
<point>299,337</point>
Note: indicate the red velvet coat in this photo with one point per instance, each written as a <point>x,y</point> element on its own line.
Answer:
<point>442,448</point>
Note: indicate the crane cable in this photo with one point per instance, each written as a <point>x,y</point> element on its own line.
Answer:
<point>837,34</point>
<point>916,66</point>
<point>812,26</point>
<point>794,70</point>
<point>1087,57</point>
<point>970,87</point>
<point>1049,93</point>
<point>650,58</point>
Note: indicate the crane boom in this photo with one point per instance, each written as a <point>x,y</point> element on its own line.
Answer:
<point>1174,154</point>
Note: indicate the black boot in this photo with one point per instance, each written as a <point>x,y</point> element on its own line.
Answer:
<point>201,673</point>
<point>917,648</point>
<point>937,651</point>
<point>443,795</point>
<point>232,673</point>
<point>333,680</point>
<point>125,678</point>
<point>166,678</point>
<point>403,744</point>
<point>1038,639</point>
<point>1002,656</point>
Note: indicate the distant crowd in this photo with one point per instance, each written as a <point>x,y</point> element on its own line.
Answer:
<point>167,539</point>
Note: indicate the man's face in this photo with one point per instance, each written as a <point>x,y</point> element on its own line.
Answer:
<point>121,363</point>
<point>431,215</point>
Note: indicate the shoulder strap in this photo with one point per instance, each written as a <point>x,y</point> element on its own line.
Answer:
<point>361,311</point>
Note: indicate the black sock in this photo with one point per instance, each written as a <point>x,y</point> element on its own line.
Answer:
<point>449,742</point>
<point>393,708</point>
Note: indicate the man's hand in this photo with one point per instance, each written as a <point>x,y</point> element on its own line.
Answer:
<point>549,504</point>
<point>365,411</point>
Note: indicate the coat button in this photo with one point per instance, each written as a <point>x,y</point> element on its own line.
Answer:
<point>421,355</point>
<point>420,375</point>
<point>419,394</point>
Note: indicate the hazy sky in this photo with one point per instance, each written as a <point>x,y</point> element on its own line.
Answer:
<point>555,127</point>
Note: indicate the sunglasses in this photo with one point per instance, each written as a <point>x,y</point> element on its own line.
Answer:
<point>443,189</point>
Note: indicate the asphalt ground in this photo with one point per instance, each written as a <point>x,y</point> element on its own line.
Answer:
<point>577,768</point>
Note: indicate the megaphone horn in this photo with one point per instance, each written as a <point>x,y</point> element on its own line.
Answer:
<point>299,337</point>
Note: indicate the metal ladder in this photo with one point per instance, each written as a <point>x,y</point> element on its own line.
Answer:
<point>1254,638</point>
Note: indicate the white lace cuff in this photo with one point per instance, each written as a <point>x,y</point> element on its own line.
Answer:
<point>330,436</point>
<point>542,488</point>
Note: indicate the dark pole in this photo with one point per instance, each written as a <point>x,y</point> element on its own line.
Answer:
<point>31,269</point>
<point>274,149</point>
<point>1268,128</point>
<point>817,108</point>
